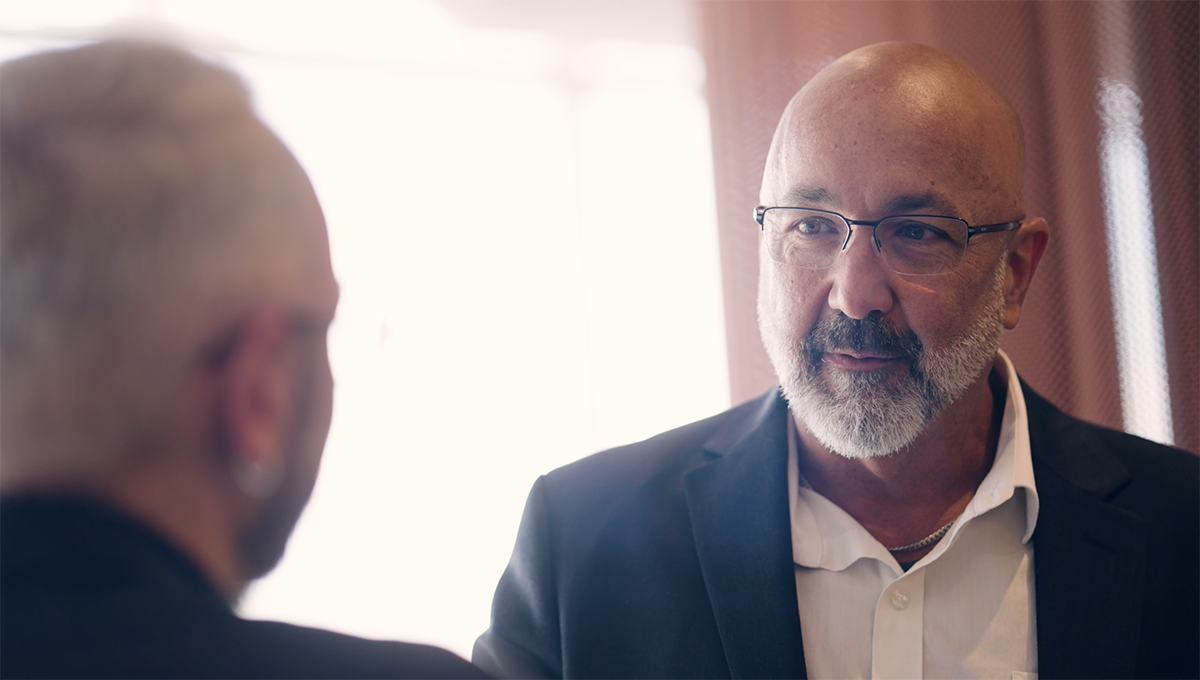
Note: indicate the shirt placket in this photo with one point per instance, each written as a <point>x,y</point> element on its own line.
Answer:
<point>897,649</point>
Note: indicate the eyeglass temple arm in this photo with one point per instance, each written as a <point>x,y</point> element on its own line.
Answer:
<point>992,228</point>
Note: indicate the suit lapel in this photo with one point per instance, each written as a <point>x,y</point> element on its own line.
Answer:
<point>1082,545</point>
<point>739,512</point>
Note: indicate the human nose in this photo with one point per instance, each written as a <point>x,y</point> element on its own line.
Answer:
<point>861,279</point>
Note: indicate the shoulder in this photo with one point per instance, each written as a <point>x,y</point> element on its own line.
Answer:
<point>134,631</point>
<point>89,592</point>
<point>655,463</point>
<point>632,495</point>
<point>1107,461</point>
<point>283,650</point>
<point>1080,465</point>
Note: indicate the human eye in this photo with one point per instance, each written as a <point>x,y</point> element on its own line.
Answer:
<point>917,231</point>
<point>812,225</point>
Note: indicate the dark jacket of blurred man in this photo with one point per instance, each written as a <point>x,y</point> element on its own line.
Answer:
<point>165,384</point>
<point>900,506</point>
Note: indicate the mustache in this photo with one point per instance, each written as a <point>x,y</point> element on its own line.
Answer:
<point>872,334</point>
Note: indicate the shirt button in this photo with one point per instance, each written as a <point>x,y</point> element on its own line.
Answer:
<point>899,600</point>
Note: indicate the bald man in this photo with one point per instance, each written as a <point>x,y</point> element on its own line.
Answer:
<point>165,389</point>
<point>901,505</point>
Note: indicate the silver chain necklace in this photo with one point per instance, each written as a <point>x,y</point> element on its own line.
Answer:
<point>927,541</point>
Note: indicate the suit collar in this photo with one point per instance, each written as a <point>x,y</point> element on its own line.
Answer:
<point>1071,448</point>
<point>739,513</point>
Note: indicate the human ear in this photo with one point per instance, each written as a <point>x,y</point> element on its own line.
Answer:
<point>1024,252</point>
<point>255,403</point>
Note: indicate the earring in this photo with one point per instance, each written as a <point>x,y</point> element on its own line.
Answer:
<point>257,479</point>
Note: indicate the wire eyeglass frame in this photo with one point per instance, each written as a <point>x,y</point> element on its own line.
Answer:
<point>760,214</point>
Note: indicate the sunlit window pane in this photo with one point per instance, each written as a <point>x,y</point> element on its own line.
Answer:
<point>524,231</point>
<point>1133,265</point>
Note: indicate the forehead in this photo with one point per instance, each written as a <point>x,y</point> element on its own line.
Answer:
<point>882,146</point>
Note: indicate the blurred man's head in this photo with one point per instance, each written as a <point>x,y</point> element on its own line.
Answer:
<point>166,288</point>
<point>875,330</point>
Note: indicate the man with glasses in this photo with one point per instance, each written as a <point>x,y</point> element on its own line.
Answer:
<point>901,505</point>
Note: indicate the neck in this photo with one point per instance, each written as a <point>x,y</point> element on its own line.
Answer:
<point>188,510</point>
<point>904,497</point>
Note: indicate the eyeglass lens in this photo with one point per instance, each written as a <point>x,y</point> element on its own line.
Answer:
<point>909,245</point>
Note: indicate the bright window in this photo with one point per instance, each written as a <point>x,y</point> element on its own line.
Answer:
<point>523,226</point>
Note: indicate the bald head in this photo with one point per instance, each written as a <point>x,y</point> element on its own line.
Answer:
<point>144,208</point>
<point>910,109</point>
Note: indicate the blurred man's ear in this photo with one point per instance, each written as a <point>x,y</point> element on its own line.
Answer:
<point>256,402</point>
<point>1024,253</point>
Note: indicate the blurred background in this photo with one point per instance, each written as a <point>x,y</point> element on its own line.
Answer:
<point>539,213</point>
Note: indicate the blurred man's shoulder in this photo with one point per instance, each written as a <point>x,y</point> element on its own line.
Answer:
<point>91,592</point>
<point>298,651</point>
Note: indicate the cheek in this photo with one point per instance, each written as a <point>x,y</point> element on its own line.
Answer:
<point>937,311</point>
<point>324,413</point>
<point>790,300</point>
<point>929,319</point>
<point>319,401</point>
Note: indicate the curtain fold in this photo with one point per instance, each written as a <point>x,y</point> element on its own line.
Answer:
<point>1048,58</point>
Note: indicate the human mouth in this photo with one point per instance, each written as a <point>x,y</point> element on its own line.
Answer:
<point>856,361</point>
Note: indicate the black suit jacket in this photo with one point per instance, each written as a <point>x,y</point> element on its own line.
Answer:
<point>673,558</point>
<point>86,592</point>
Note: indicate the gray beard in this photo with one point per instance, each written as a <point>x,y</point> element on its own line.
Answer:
<point>867,414</point>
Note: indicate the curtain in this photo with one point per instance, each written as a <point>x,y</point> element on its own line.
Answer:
<point>1052,60</point>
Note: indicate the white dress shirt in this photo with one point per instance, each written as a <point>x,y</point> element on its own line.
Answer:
<point>965,610</point>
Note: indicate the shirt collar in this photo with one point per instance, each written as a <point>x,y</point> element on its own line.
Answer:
<point>1014,443</point>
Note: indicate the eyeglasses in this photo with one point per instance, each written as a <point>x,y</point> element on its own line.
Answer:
<point>917,245</point>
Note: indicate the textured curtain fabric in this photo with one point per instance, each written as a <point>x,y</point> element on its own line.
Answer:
<point>1052,60</point>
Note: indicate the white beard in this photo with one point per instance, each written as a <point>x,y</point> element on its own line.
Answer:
<point>866,414</point>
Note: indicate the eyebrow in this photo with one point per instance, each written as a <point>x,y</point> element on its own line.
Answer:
<point>908,203</point>
<point>809,196</point>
